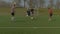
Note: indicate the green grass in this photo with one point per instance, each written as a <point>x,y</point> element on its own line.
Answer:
<point>40,20</point>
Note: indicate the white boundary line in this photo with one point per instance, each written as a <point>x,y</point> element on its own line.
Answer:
<point>31,27</point>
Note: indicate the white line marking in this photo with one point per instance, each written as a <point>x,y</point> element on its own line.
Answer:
<point>30,27</point>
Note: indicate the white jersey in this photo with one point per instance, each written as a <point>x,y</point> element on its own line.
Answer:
<point>12,8</point>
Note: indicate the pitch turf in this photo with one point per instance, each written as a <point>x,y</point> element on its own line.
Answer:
<point>24,25</point>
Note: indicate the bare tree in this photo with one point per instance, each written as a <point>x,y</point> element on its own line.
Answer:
<point>17,2</point>
<point>24,2</point>
<point>57,4</point>
<point>51,3</point>
<point>42,2</point>
<point>30,3</point>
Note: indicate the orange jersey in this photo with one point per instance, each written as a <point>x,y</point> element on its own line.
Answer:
<point>50,11</point>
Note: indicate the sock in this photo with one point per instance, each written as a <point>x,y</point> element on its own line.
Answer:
<point>12,18</point>
<point>49,19</point>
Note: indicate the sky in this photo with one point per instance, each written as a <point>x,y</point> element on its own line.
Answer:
<point>22,2</point>
<point>7,0</point>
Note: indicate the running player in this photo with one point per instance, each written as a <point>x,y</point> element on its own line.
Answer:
<point>50,13</point>
<point>28,12</point>
<point>13,10</point>
<point>32,13</point>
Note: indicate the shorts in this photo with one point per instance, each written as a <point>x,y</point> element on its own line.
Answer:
<point>12,13</point>
<point>51,14</point>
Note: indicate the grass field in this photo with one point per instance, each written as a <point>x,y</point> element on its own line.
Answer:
<point>24,25</point>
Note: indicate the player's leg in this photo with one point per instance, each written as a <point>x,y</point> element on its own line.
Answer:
<point>32,14</point>
<point>12,18</point>
<point>28,13</point>
<point>50,17</point>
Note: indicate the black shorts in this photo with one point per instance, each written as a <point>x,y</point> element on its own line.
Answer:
<point>51,14</point>
<point>12,13</point>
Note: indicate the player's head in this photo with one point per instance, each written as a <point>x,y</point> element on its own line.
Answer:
<point>49,8</point>
<point>14,3</point>
<point>32,9</point>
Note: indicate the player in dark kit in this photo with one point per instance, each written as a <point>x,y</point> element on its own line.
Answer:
<point>30,12</point>
<point>50,13</point>
<point>13,10</point>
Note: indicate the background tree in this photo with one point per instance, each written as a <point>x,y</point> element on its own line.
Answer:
<point>42,2</point>
<point>51,3</point>
<point>58,4</point>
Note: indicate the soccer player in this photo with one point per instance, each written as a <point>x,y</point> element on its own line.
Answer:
<point>50,13</point>
<point>32,13</point>
<point>28,12</point>
<point>13,10</point>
